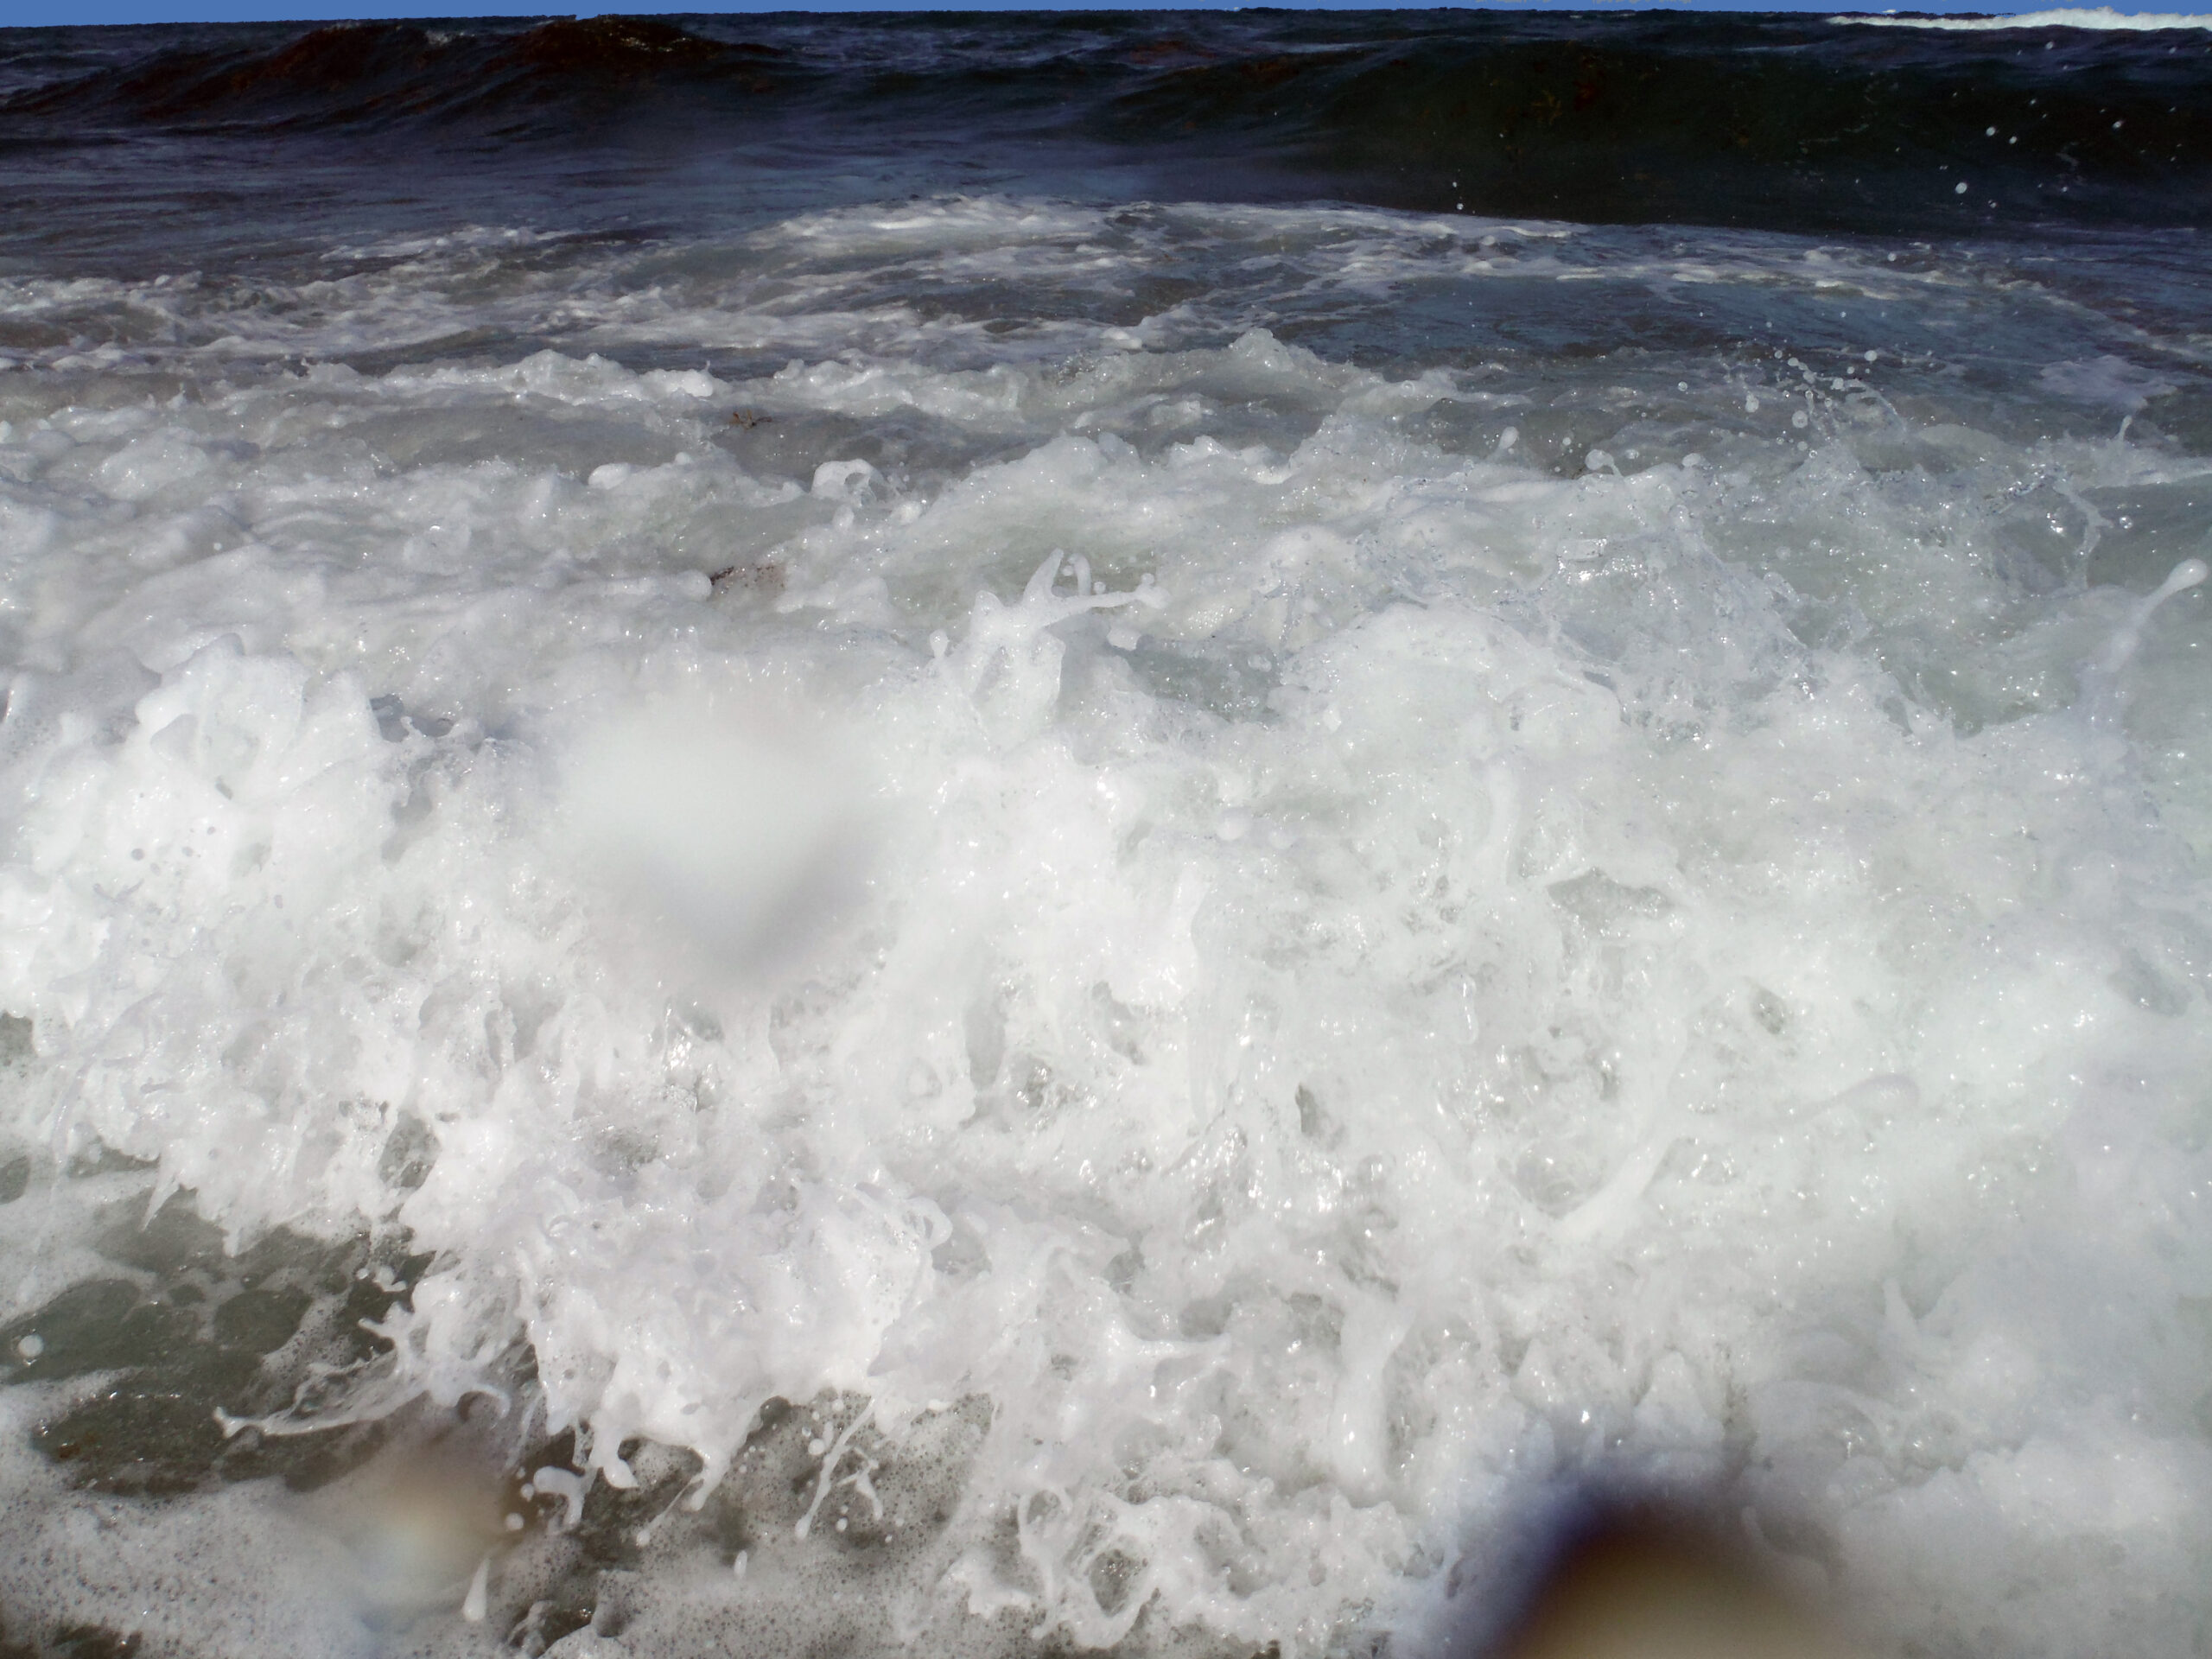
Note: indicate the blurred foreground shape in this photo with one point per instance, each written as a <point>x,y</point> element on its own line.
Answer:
<point>1652,1589</point>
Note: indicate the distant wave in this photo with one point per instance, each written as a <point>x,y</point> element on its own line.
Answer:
<point>1930,125</point>
<point>386,73</point>
<point>2066,17</point>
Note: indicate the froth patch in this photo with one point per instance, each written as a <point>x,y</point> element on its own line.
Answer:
<point>2083,17</point>
<point>1625,955</point>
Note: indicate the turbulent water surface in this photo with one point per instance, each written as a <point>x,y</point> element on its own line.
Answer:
<point>982,835</point>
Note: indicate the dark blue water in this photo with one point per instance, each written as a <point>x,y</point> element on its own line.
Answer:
<point>1782,123</point>
<point>2077,162</point>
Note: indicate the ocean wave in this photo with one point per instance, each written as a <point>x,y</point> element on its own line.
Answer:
<point>344,75</point>
<point>1052,834</point>
<point>2065,17</point>
<point>1038,956</point>
<point>1785,123</point>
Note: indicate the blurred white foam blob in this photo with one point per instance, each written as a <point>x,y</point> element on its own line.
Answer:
<point>739,830</point>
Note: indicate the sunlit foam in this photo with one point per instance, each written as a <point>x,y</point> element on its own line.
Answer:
<point>1153,1023</point>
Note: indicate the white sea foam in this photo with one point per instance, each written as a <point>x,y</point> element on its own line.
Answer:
<point>1225,995</point>
<point>2100,18</point>
<point>892,292</point>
